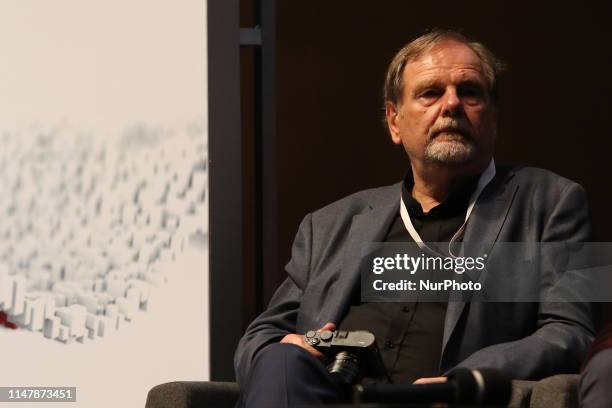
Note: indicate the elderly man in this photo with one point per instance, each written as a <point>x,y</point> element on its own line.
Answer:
<point>440,101</point>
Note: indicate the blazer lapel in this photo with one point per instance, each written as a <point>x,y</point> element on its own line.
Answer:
<point>369,226</point>
<point>482,231</point>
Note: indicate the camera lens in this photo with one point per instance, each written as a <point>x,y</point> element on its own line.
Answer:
<point>345,368</point>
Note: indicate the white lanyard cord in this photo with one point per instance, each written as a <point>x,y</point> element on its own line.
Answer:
<point>483,181</point>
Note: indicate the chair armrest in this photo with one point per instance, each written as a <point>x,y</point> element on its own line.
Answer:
<point>521,394</point>
<point>558,391</point>
<point>193,394</point>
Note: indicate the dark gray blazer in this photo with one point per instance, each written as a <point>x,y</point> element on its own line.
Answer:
<point>525,340</point>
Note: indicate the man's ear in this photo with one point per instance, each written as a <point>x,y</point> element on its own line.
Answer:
<point>392,115</point>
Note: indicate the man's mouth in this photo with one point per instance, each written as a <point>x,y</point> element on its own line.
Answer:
<point>453,133</point>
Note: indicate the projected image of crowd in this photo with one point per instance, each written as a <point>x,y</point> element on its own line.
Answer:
<point>90,225</point>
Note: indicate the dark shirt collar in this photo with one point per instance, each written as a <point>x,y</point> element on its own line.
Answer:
<point>456,203</point>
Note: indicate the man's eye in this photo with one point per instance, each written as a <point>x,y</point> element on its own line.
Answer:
<point>430,93</point>
<point>471,92</point>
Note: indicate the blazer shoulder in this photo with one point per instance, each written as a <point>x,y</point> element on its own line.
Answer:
<point>541,179</point>
<point>336,218</point>
<point>359,202</point>
<point>330,225</point>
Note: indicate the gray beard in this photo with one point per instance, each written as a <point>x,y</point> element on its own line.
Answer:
<point>450,151</point>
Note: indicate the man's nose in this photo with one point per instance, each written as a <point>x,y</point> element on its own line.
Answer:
<point>451,102</point>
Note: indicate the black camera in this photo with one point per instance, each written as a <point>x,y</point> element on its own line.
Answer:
<point>353,354</point>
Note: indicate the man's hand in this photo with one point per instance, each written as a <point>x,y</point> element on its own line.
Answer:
<point>298,340</point>
<point>430,380</point>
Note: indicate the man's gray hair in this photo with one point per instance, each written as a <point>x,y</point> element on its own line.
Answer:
<point>394,83</point>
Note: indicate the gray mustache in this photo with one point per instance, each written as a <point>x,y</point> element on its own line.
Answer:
<point>450,128</point>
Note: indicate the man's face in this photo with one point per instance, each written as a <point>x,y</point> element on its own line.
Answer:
<point>446,116</point>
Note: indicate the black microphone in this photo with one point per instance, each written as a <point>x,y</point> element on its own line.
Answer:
<point>463,386</point>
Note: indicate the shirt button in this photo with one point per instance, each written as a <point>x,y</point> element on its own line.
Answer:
<point>406,309</point>
<point>389,344</point>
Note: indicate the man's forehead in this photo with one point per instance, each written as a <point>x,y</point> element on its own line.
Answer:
<point>446,57</point>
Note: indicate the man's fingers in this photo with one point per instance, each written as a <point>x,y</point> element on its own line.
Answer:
<point>298,340</point>
<point>328,326</point>
<point>293,339</point>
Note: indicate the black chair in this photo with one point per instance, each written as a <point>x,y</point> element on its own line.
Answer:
<point>559,391</point>
<point>193,394</point>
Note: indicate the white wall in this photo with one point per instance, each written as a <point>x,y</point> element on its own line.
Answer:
<point>102,63</point>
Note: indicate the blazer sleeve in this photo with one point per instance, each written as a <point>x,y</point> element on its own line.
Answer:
<point>279,319</point>
<point>565,330</point>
